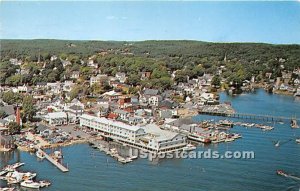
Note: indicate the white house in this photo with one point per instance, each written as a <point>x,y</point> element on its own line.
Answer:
<point>154,100</point>
<point>68,85</point>
<point>75,74</point>
<point>98,79</point>
<point>74,112</point>
<point>123,115</point>
<point>56,118</point>
<point>121,77</point>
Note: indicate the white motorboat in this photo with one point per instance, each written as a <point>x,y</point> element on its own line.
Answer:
<point>122,160</point>
<point>58,154</point>
<point>7,189</point>
<point>3,172</point>
<point>28,176</point>
<point>133,157</point>
<point>128,159</point>
<point>17,165</point>
<point>298,140</point>
<point>44,183</point>
<point>236,136</point>
<point>189,147</point>
<point>199,138</point>
<point>229,140</point>
<point>218,141</point>
<point>294,123</point>
<point>30,184</point>
<point>40,155</point>
<point>14,177</point>
<point>13,167</point>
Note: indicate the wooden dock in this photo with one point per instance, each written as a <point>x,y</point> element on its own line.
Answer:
<point>250,116</point>
<point>54,162</point>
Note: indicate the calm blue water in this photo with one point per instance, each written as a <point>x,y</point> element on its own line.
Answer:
<point>89,169</point>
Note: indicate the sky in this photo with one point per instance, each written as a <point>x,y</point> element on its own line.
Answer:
<point>214,21</point>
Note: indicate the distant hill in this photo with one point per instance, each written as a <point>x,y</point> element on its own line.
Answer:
<point>247,51</point>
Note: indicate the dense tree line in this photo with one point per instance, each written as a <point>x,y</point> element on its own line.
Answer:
<point>187,59</point>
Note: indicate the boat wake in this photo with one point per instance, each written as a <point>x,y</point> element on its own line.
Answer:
<point>293,177</point>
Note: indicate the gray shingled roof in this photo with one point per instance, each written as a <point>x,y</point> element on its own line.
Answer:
<point>8,109</point>
<point>151,92</point>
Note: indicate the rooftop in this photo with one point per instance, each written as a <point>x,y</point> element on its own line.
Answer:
<point>110,122</point>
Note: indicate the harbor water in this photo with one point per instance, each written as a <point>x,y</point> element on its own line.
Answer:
<point>92,170</point>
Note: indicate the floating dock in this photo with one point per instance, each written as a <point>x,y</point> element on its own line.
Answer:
<point>249,116</point>
<point>54,162</point>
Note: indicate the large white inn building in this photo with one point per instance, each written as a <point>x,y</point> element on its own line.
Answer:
<point>140,137</point>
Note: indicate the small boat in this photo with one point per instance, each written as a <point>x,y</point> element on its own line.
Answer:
<point>226,123</point>
<point>28,176</point>
<point>58,154</point>
<point>14,177</point>
<point>44,183</point>
<point>236,136</point>
<point>13,167</point>
<point>113,152</point>
<point>128,159</point>
<point>218,141</point>
<point>133,157</point>
<point>199,138</point>
<point>294,123</point>
<point>7,189</point>
<point>298,140</point>
<point>229,140</point>
<point>40,155</point>
<point>122,160</point>
<point>30,184</point>
<point>281,173</point>
<point>189,147</point>
<point>17,165</point>
<point>3,172</point>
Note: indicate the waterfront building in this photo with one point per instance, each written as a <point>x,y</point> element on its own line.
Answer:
<point>114,129</point>
<point>162,140</point>
<point>149,137</point>
<point>56,118</point>
<point>74,112</point>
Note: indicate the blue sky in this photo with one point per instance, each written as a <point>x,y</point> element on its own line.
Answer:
<point>270,22</point>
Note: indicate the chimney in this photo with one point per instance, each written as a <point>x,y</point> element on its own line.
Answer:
<point>18,116</point>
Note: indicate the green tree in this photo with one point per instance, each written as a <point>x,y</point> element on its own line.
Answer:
<point>96,89</point>
<point>14,128</point>
<point>28,107</point>
<point>133,79</point>
<point>14,80</point>
<point>11,97</point>
<point>216,81</point>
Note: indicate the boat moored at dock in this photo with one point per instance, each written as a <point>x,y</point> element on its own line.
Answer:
<point>7,189</point>
<point>30,184</point>
<point>199,138</point>
<point>40,154</point>
<point>189,147</point>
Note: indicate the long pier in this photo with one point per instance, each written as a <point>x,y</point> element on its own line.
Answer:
<point>250,116</point>
<point>54,162</point>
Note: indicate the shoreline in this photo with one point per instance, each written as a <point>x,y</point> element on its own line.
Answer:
<point>66,144</point>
